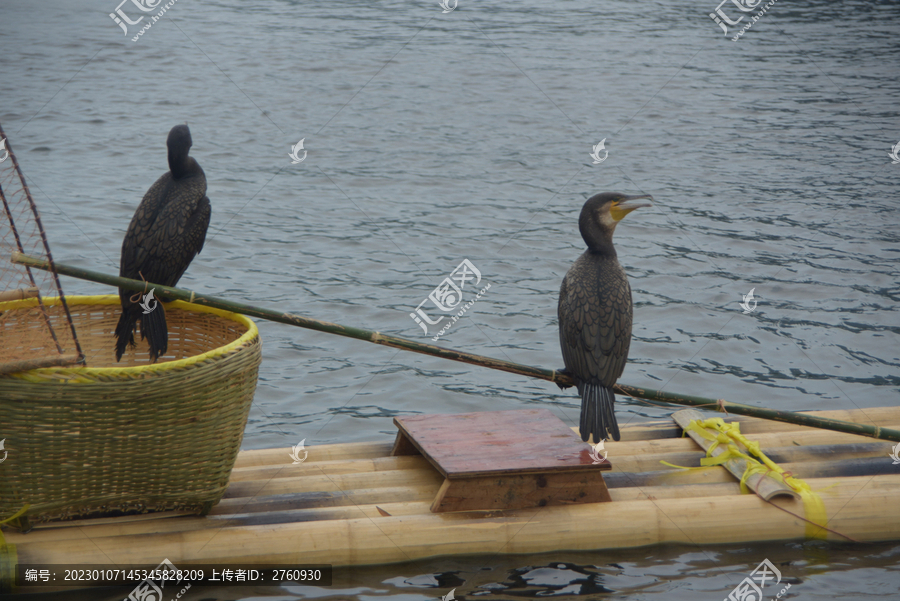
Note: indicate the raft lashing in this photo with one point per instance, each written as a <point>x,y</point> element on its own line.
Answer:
<point>357,504</point>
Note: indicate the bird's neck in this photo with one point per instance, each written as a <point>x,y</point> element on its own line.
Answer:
<point>604,250</point>
<point>598,238</point>
<point>600,243</point>
<point>181,165</point>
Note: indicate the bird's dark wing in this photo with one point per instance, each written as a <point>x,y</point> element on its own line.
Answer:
<point>199,224</point>
<point>194,237</point>
<point>135,253</point>
<point>163,236</point>
<point>595,315</point>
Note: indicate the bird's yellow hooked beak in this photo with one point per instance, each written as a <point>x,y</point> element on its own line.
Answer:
<point>619,208</point>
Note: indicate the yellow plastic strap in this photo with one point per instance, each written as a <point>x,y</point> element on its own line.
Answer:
<point>716,430</point>
<point>681,467</point>
<point>11,518</point>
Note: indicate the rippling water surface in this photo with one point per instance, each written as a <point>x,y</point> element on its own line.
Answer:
<point>436,137</point>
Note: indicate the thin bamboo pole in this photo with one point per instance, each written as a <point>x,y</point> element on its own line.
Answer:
<point>51,361</point>
<point>471,358</point>
<point>19,294</point>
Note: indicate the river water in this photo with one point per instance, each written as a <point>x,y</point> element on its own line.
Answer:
<point>432,138</point>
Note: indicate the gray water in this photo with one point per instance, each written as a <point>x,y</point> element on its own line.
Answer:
<point>434,138</point>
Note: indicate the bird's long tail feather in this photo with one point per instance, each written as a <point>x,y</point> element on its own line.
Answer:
<point>153,328</point>
<point>598,416</point>
<point>125,331</point>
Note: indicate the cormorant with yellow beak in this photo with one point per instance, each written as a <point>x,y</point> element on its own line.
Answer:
<point>595,315</point>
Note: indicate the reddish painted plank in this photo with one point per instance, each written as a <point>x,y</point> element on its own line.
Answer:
<point>468,445</point>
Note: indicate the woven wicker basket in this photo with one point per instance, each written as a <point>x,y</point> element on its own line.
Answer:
<point>130,436</point>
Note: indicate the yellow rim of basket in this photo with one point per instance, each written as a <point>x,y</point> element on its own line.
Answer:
<point>40,374</point>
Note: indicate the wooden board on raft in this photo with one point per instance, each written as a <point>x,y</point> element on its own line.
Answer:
<point>356,504</point>
<point>503,459</point>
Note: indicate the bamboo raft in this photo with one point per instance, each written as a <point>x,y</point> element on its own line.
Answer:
<point>356,504</point>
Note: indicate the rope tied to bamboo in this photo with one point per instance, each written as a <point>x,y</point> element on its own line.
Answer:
<point>728,434</point>
<point>136,297</point>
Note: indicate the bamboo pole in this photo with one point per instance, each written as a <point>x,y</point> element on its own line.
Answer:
<point>436,351</point>
<point>323,482</point>
<point>19,294</point>
<point>339,466</point>
<point>664,428</point>
<point>324,452</point>
<point>414,491</point>
<point>51,361</point>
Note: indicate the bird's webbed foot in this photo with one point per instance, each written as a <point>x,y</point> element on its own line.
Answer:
<point>563,372</point>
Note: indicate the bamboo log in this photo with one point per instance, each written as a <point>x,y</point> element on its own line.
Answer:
<point>790,417</point>
<point>788,454</point>
<point>19,294</point>
<point>333,498</point>
<point>366,507</point>
<point>332,482</point>
<point>753,425</point>
<point>342,466</point>
<point>168,292</point>
<point>697,521</point>
<point>325,452</point>
<point>796,441</point>
<point>50,361</point>
<point>852,468</point>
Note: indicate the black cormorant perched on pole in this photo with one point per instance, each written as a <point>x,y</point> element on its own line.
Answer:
<point>595,315</point>
<point>167,231</point>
